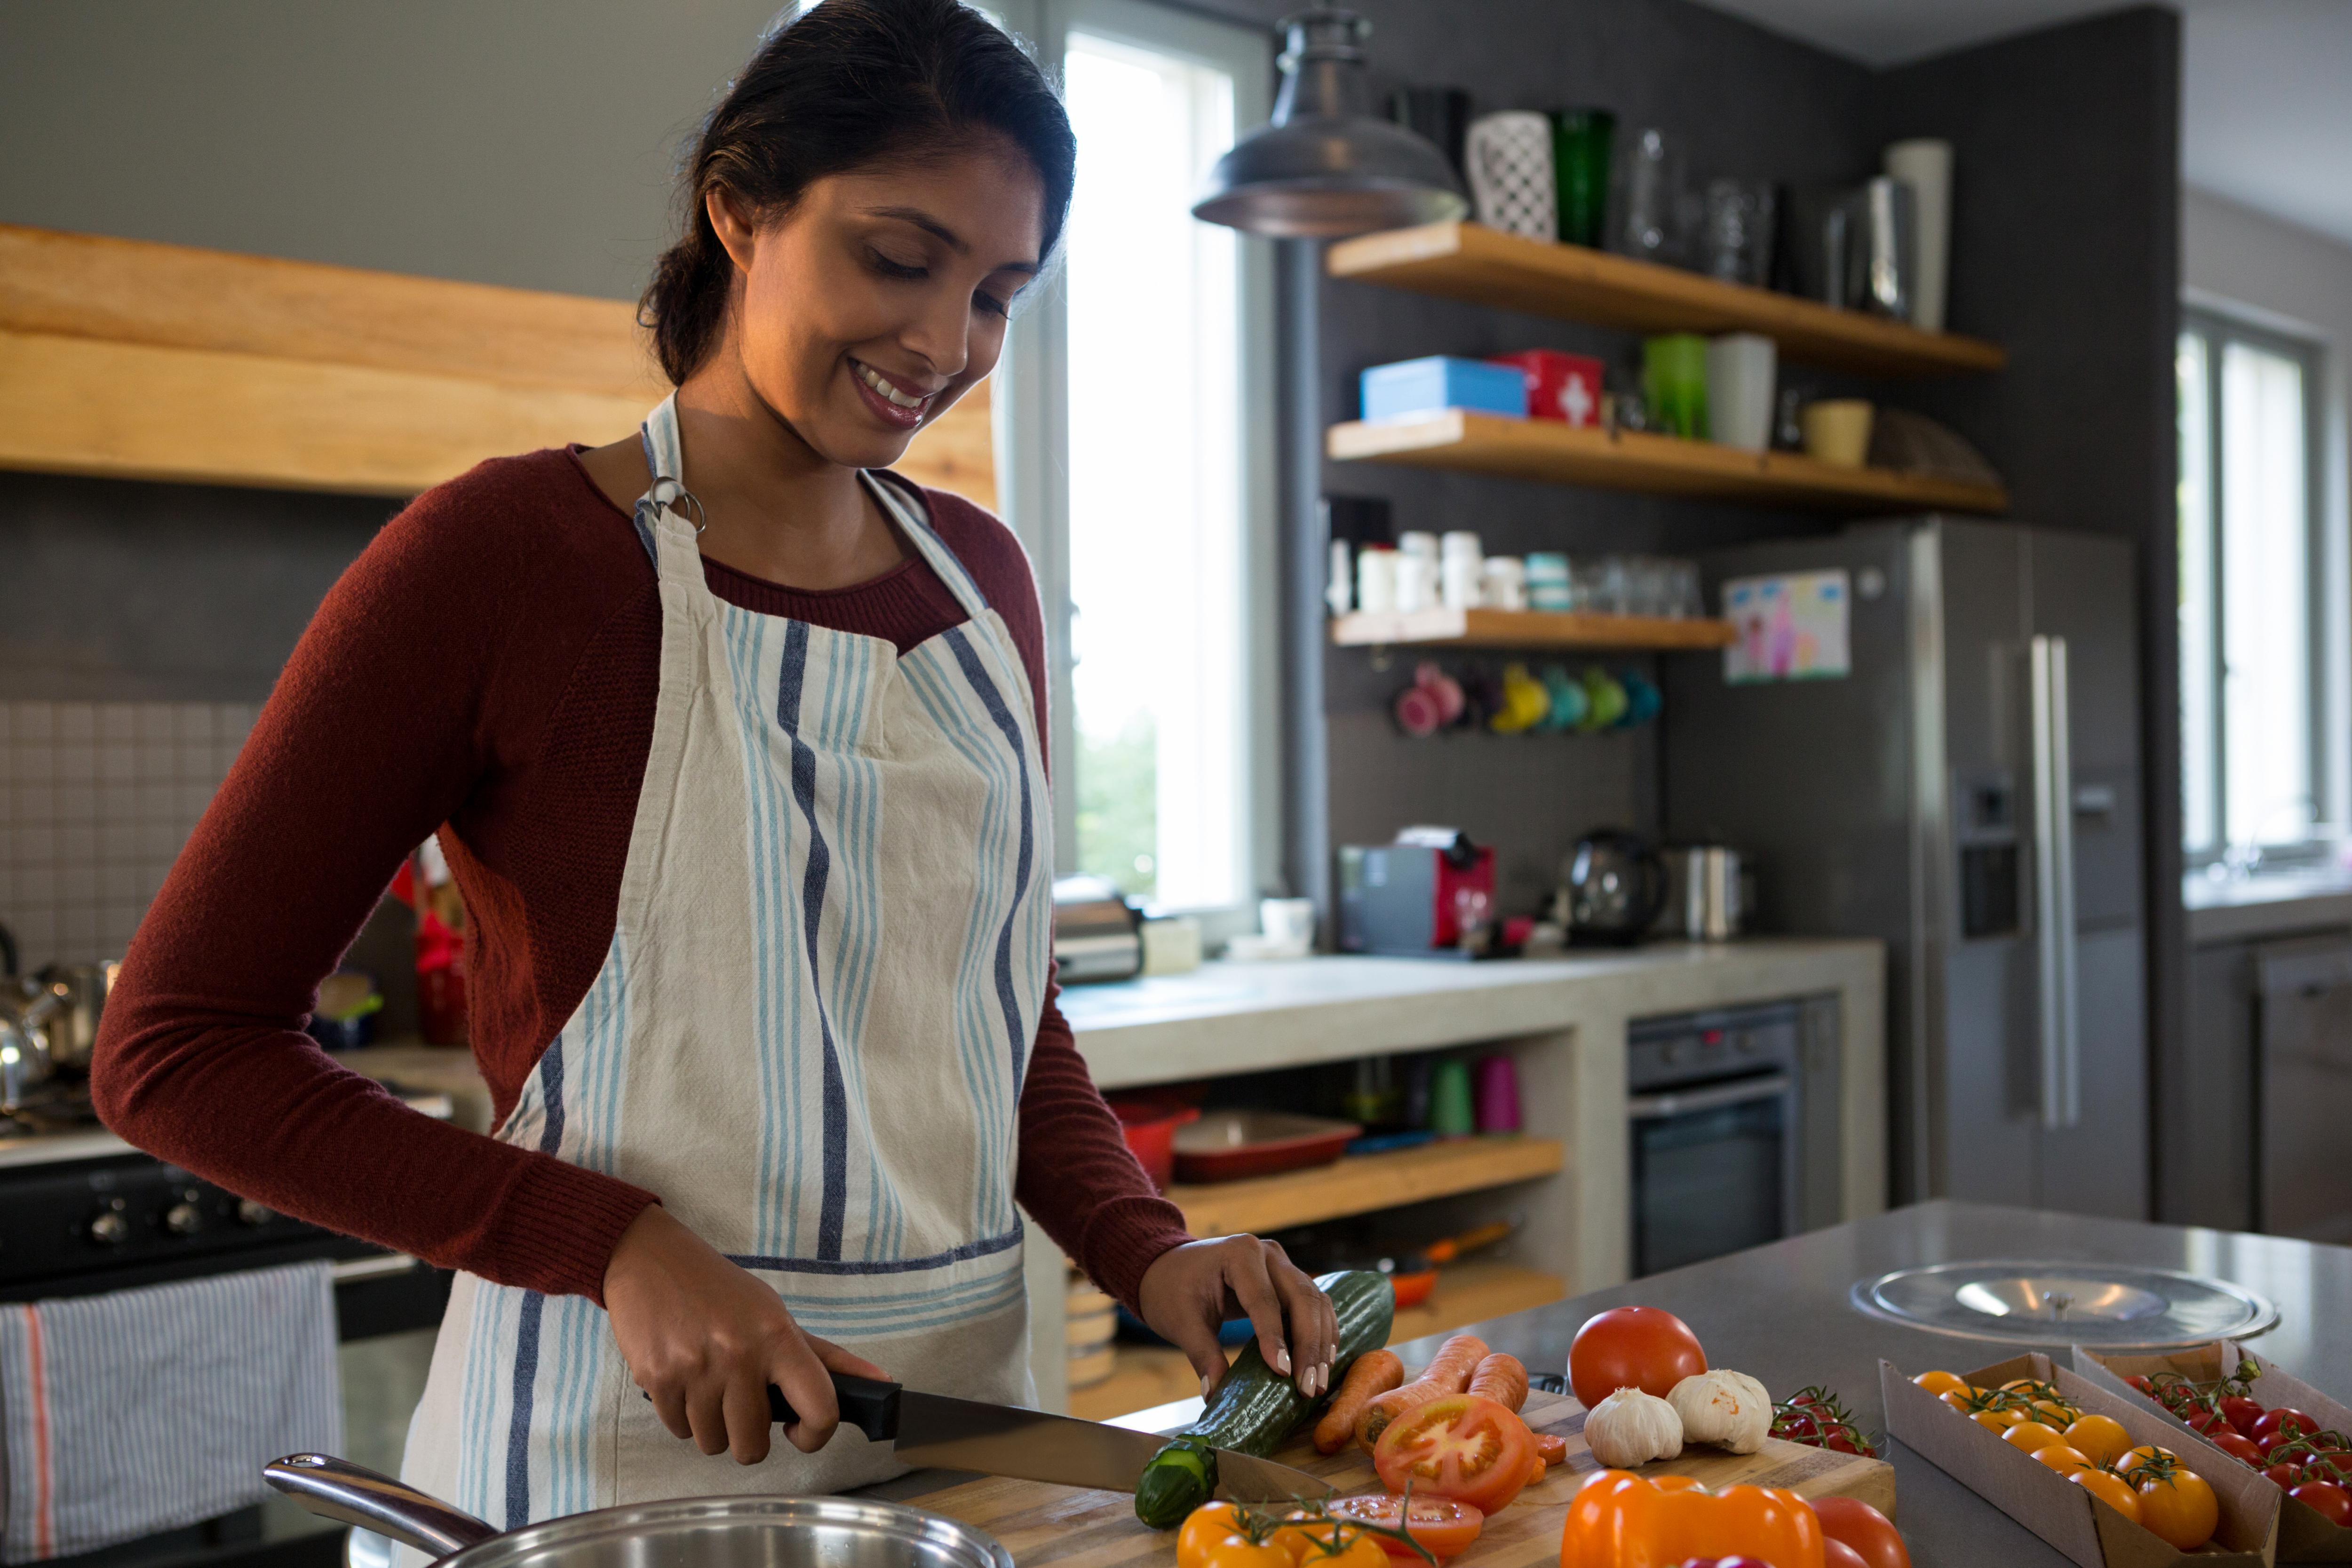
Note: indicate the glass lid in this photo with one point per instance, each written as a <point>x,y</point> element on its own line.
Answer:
<point>2109,1306</point>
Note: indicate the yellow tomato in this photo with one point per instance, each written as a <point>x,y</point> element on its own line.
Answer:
<point>2145,1453</point>
<point>2054,1412</point>
<point>1959,1399</point>
<point>1306,1540</point>
<point>2103,1437</point>
<point>2031,1436</point>
<point>2109,1489</point>
<point>1204,1527</point>
<point>1361,1551</point>
<point>2180,1507</point>
<point>1996,1422</point>
<point>2061,1459</point>
<point>1941,1382</point>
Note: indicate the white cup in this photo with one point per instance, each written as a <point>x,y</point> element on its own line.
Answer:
<point>1505,582</point>
<point>1461,582</point>
<point>1375,581</point>
<point>1416,583</point>
<point>1418,543</point>
<point>1509,156</point>
<point>1739,369</point>
<point>1288,921</point>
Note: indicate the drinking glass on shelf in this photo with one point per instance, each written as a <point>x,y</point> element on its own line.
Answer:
<point>1653,193</point>
<point>1739,217</point>
<point>1683,598</point>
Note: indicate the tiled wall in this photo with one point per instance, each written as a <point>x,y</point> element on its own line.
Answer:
<point>99,798</point>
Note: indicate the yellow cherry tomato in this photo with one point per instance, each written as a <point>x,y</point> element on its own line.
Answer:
<point>2103,1437</point>
<point>2031,1436</point>
<point>2179,1506</point>
<point>1959,1399</point>
<point>1996,1422</point>
<point>2061,1459</point>
<point>1204,1527</point>
<point>1310,1540</point>
<point>1941,1382</point>
<point>1361,1551</point>
<point>2109,1489</point>
<point>2054,1414</point>
<point>2145,1454</point>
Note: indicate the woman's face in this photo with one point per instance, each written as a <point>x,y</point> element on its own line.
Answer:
<point>880,298</point>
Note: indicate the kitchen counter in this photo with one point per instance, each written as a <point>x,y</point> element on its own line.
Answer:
<point>2269,903</point>
<point>1782,1313</point>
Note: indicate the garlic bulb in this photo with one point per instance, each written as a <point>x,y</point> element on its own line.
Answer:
<point>1631,1428</point>
<point>1730,1409</point>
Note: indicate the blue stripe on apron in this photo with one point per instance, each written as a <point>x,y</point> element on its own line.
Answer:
<point>526,1367</point>
<point>833,1207</point>
<point>993,700</point>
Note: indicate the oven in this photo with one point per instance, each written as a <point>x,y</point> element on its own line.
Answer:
<point>82,1213</point>
<point>1732,1130</point>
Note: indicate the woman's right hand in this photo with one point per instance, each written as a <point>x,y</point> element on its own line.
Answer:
<point>705,1338</point>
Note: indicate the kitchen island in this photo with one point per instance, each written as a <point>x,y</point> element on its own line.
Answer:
<point>1782,1314</point>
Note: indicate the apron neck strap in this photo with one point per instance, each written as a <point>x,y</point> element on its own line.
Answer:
<point>910,514</point>
<point>665,462</point>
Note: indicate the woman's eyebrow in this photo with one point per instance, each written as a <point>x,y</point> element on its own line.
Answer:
<point>943,233</point>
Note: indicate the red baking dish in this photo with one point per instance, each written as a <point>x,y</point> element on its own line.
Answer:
<point>1149,1126</point>
<point>1226,1145</point>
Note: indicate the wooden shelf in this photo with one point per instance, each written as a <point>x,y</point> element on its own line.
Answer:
<point>1466,1293</point>
<point>122,359</point>
<point>1363,1183</point>
<point>1630,460</point>
<point>1533,629</point>
<point>1486,266</point>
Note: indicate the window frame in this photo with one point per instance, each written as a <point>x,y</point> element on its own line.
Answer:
<point>1033,429</point>
<point>2325,611</point>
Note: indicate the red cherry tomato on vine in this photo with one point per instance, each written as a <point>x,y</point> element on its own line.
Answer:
<point>2206,1422</point>
<point>2241,1412</point>
<point>1646,1348</point>
<point>2143,1384</point>
<point>2238,1447</point>
<point>2283,1419</point>
<point>2334,1503</point>
<point>2286,1477</point>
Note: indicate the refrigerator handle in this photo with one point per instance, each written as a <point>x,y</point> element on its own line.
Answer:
<point>2053,885</point>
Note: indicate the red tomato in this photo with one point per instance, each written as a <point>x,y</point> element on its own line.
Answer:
<point>2206,1421</point>
<point>2272,1442</point>
<point>2283,1419</point>
<point>2142,1384</point>
<point>2334,1503</point>
<point>1463,1447</point>
<point>2286,1477</point>
<point>2238,1447</point>
<point>1836,1554</point>
<point>2242,1412</point>
<point>1633,1347</point>
<point>1870,1534</point>
<point>1443,1525</point>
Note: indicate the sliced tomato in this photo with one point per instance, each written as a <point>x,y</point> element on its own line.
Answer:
<point>1443,1525</point>
<point>1463,1447</point>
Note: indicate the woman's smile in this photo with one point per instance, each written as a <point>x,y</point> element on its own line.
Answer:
<point>894,402</point>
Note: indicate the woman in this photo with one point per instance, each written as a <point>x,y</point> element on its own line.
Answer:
<point>735,747</point>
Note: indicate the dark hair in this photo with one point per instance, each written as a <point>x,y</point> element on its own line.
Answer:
<point>841,86</point>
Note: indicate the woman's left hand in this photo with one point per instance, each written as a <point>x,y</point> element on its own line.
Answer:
<point>1189,1292</point>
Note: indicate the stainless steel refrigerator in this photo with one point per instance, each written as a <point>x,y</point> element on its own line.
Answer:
<point>1968,792</point>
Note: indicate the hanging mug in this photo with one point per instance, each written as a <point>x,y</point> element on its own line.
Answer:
<point>1509,156</point>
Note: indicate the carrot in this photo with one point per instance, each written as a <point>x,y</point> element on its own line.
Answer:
<point>1374,1373</point>
<point>1447,1373</point>
<point>1538,1473</point>
<point>1501,1378</point>
<point>1551,1448</point>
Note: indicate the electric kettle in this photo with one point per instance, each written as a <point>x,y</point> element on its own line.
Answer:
<point>1612,885</point>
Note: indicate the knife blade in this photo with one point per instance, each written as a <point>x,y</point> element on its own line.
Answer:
<point>1032,1445</point>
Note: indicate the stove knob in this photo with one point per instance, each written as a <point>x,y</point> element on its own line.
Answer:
<point>1675,1052</point>
<point>109,1229</point>
<point>251,1213</point>
<point>183,1218</point>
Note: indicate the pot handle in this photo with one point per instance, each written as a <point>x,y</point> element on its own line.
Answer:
<point>339,1489</point>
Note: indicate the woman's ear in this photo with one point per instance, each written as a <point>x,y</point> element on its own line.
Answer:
<point>731,224</point>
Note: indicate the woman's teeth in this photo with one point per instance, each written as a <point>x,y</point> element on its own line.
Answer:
<point>883,386</point>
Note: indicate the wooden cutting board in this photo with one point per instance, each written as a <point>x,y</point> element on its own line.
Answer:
<point>1039,1523</point>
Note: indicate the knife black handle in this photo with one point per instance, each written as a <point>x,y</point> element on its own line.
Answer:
<point>867,1403</point>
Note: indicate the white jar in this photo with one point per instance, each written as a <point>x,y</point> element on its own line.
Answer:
<point>1416,583</point>
<point>1418,544</point>
<point>1504,583</point>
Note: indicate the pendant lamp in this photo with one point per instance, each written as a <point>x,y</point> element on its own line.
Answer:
<point>1326,166</point>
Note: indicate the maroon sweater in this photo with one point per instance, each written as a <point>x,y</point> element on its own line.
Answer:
<point>488,667</point>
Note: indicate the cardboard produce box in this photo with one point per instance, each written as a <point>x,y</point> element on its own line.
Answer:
<point>2062,1514</point>
<point>2305,1535</point>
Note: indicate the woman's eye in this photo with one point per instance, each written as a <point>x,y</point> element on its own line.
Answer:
<point>991,304</point>
<point>889,268</point>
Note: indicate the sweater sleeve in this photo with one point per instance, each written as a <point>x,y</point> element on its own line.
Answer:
<point>372,738</point>
<point>1077,1177</point>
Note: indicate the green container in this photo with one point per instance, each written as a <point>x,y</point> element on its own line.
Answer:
<point>1449,1099</point>
<point>1673,380</point>
<point>1580,140</point>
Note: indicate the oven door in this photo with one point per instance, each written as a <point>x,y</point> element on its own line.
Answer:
<point>1715,1169</point>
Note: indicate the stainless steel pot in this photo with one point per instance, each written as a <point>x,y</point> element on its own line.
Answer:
<point>27,1012</point>
<point>709,1532</point>
<point>81,990</point>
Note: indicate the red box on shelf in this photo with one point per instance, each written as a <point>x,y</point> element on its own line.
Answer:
<point>1562,386</point>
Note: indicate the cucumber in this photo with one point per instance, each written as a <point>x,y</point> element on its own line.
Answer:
<point>1256,1408</point>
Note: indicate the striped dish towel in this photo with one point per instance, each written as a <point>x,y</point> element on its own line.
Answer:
<point>148,1409</point>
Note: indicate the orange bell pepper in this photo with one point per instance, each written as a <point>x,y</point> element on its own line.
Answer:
<point>1624,1520</point>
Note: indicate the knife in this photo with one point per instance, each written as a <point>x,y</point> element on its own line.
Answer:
<point>1031,1445</point>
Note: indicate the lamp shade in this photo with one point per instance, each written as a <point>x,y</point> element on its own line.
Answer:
<point>1326,166</point>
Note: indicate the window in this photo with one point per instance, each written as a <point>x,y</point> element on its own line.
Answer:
<point>1138,462</point>
<point>2254,609</point>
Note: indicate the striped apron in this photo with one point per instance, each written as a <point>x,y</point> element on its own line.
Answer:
<point>808,1036</point>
